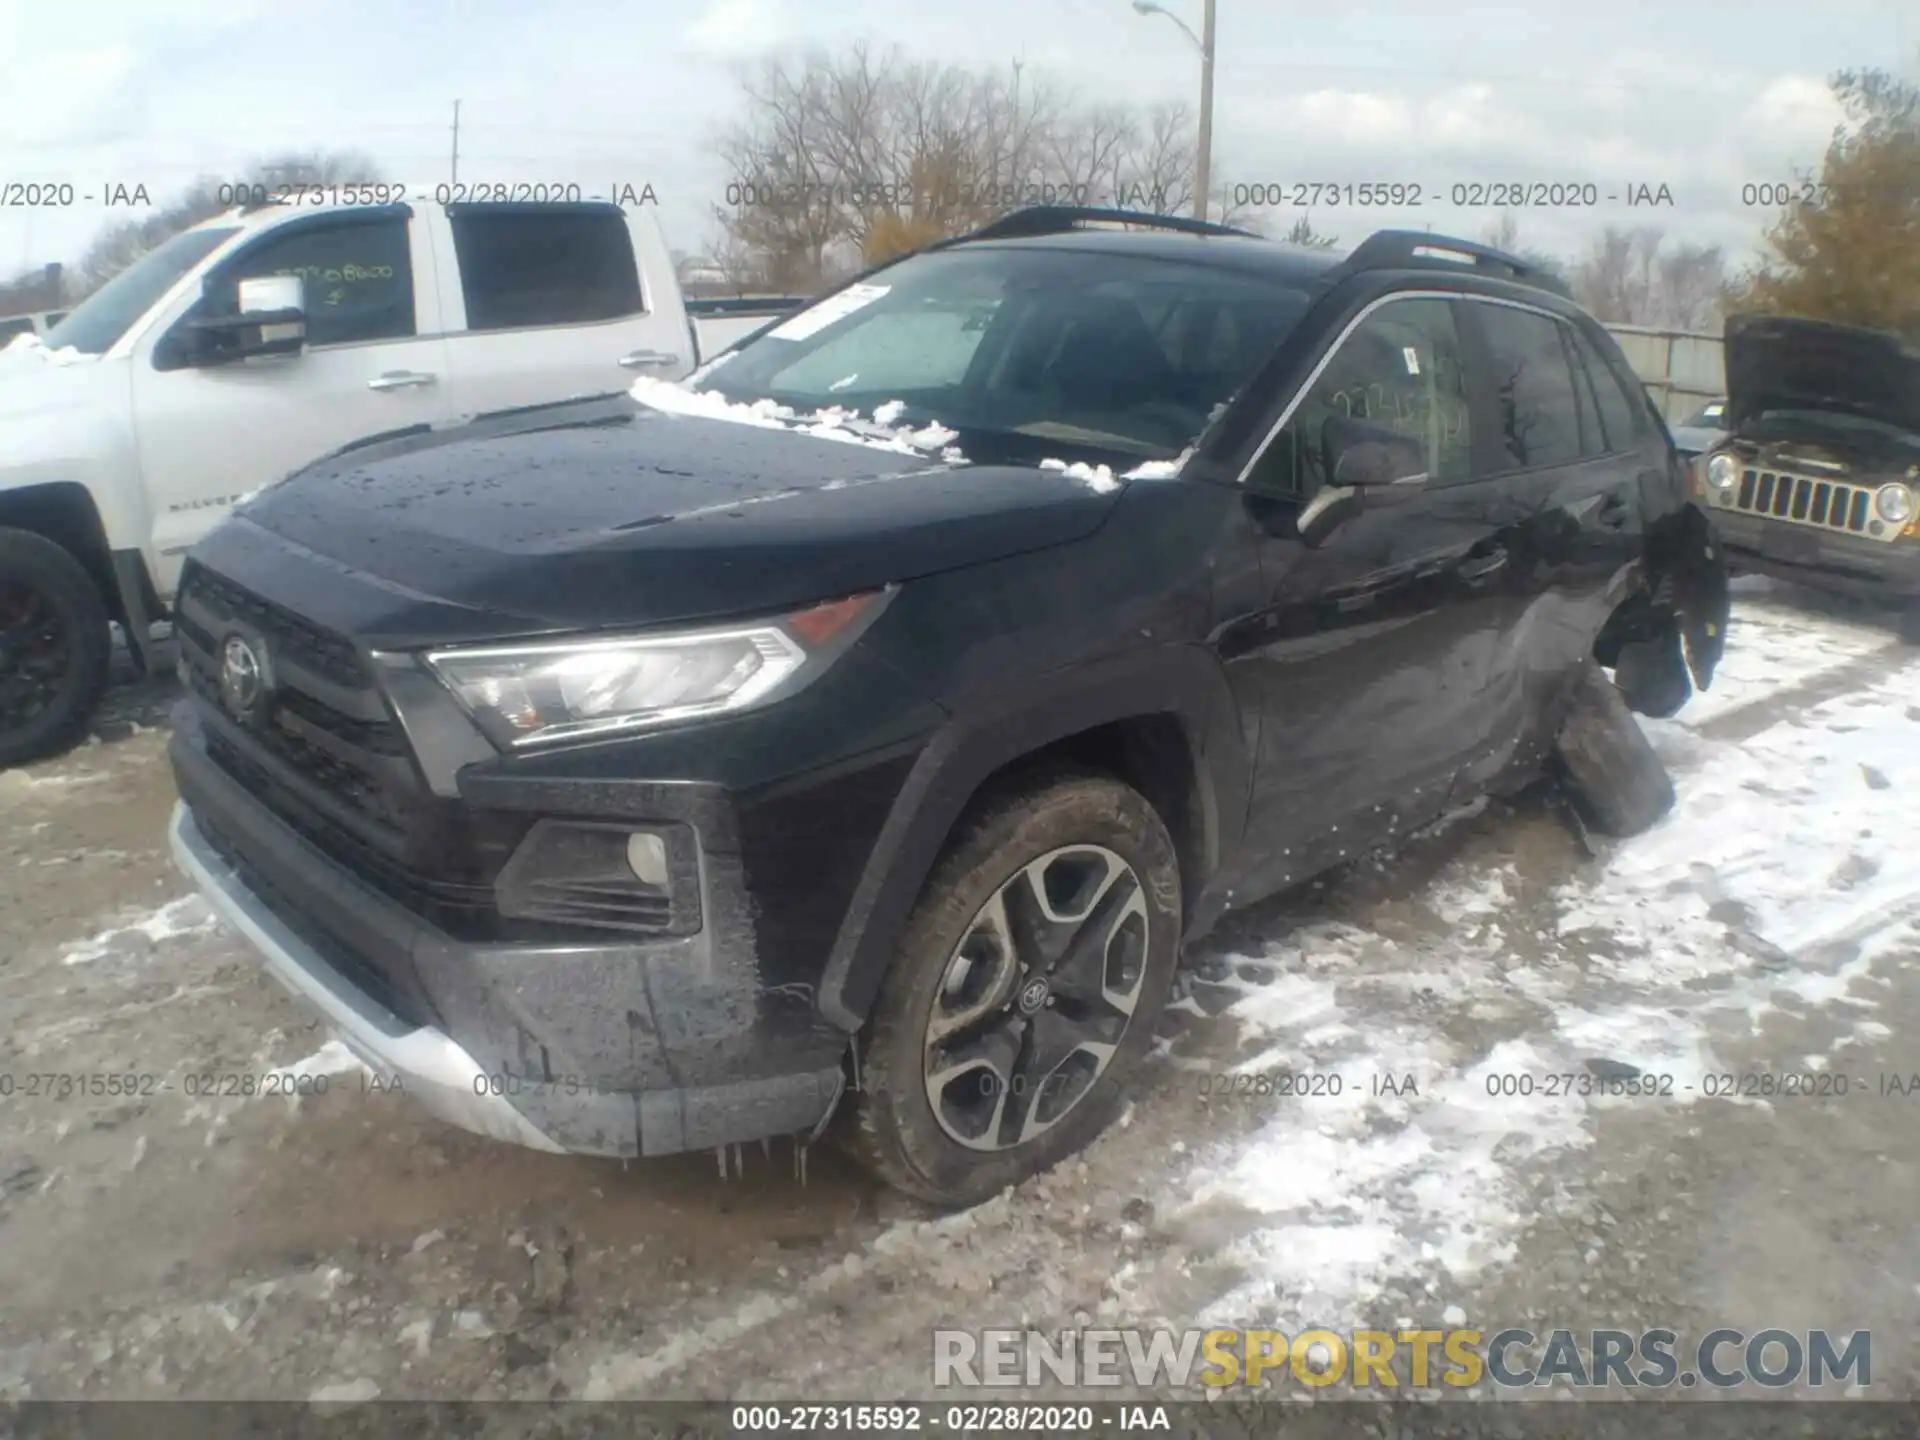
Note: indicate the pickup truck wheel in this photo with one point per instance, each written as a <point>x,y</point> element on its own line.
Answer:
<point>1652,676</point>
<point>1030,977</point>
<point>55,646</point>
<point>1615,779</point>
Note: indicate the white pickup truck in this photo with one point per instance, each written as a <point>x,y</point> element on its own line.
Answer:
<point>250,345</point>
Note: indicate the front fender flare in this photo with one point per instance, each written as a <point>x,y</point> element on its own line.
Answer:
<point>1184,681</point>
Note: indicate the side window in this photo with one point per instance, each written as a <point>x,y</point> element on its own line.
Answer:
<point>1400,368</point>
<point>524,265</point>
<point>1593,440</point>
<point>359,279</point>
<point>1621,414</point>
<point>1532,388</point>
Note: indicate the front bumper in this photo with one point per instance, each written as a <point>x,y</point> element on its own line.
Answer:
<point>1827,560</point>
<point>427,1064</point>
<point>617,1048</point>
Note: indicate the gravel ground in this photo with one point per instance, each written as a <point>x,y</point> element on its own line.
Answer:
<point>338,1245</point>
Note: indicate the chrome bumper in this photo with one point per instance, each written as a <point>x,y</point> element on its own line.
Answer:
<point>429,1066</point>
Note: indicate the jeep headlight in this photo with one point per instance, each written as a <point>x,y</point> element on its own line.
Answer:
<point>1723,472</point>
<point>1893,503</point>
<point>546,691</point>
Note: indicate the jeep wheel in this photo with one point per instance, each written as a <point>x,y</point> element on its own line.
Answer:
<point>1617,782</point>
<point>54,648</point>
<point>1030,977</point>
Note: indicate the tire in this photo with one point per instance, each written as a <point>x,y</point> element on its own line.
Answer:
<point>1617,782</point>
<point>1066,820</point>
<point>1652,676</point>
<point>55,646</point>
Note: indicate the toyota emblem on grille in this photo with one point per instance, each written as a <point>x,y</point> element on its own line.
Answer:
<point>241,677</point>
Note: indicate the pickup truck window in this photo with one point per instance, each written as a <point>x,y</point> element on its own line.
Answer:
<point>104,316</point>
<point>359,279</point>
<point>19,325</point>
<point>1109,353</point>
<point>526,265</point>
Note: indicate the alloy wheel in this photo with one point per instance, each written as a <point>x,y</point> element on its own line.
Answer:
<point>1036,997</point>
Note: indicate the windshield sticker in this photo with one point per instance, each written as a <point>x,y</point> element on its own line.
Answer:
<point>1413,359</point>
<point>835,307</point>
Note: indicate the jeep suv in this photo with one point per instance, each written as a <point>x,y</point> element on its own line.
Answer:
<point>1818,477</point>
<point>861,728</point>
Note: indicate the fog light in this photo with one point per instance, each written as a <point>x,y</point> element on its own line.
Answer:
<point>1895,503</point>
<point>647,858</point>
<point>1723,472</point>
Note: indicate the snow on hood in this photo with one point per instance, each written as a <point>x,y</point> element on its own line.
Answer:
<point>65,355</point>
<point>834,423</point>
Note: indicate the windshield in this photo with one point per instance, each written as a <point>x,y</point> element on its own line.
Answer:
<point>1067,349</point>
<point>107,314</point>
<point>1707,417</point>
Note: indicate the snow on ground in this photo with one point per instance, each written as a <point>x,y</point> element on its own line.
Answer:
<point>188,915</point>
<point>1781,878</point>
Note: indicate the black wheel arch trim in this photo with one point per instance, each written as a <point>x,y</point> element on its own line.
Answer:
<point>1185,682</point>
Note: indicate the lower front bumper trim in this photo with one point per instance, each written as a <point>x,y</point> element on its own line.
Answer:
<point>428,1064</point>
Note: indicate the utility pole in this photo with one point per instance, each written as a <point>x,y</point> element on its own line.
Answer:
<point>456,139</point>
<point>1203,165</point>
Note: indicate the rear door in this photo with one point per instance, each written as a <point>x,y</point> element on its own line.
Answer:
<point>550,301</point>
<point>1365,672</point>
<point>1561,500</point>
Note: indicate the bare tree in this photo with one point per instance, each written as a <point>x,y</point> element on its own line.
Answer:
<point>864,153</point>
<point>1630,277</point>
<point>1504,234</point>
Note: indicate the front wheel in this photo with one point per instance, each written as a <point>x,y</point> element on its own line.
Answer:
<point>1030,977</point>
<point>55,646</point>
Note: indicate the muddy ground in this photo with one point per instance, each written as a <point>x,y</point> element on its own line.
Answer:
<point>181,1244</point>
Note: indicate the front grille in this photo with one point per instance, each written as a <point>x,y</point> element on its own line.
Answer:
<point>359,760</point>
<point>293,638</point>
<point>1804,500</point>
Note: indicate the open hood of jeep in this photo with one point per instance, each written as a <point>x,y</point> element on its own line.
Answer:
<point>1779,362</point>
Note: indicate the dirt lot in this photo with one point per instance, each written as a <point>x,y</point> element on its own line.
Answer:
<point>178,1243</point>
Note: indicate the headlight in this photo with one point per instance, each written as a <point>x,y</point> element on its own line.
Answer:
<point>538,693</point>
<point>1894,503</point>
<point>1723,472</point>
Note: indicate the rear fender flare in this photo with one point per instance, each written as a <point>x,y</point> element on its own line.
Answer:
<point>1184,681</point>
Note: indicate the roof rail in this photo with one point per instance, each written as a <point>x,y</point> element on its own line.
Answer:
<point>1057,219</point>
<point>1421,250</point>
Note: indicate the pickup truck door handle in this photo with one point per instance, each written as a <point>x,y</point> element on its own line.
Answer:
<point>1482,564</point>
<point>648,360</point>
<point>399,380</point>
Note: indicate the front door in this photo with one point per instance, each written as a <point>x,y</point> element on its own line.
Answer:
<point>1365,672</point>
<point>207,436</point>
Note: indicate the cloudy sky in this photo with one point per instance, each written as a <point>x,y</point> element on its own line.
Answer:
<point>1700,97</point>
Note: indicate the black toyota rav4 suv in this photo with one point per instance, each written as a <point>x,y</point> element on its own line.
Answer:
<point>858,732</point>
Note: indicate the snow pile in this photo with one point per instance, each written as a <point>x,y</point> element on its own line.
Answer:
<point>65,355</point>
<point>834,423</point>
<point>1160,469</point>
<point>1097,478</point>
<point>188,915</point>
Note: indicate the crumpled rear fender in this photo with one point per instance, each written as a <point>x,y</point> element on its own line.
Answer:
<point>1688,563</point>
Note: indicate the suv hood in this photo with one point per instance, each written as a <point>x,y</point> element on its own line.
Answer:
<point>1777,362</point>
<point>606,513</point>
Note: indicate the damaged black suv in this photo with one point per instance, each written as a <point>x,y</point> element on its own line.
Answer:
<point>858,732</point>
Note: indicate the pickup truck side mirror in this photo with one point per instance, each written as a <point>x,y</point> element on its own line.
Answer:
<point>270,319</point>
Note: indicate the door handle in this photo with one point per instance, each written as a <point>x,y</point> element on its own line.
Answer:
<point>648,360</point>
<point>1478,567</point>
<point>399,380</point>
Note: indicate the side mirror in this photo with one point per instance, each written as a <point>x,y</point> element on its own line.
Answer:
<point>270,319</point>
<point>1360,456</point>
